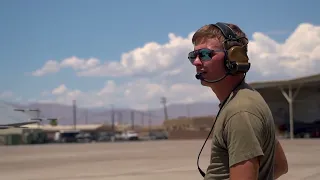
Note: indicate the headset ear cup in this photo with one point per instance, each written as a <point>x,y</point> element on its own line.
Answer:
<point>227,63</point>
<point>238,60</point>
<point>231,67</point>
<point>236,53</point>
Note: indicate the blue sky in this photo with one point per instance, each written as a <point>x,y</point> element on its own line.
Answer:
<point>33,32</point>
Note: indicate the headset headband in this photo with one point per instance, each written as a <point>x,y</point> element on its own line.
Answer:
<point>227,32</point>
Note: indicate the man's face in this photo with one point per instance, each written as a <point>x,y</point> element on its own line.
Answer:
<point>212,68</point>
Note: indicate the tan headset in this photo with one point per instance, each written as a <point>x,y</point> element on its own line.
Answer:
<point>236,59</point>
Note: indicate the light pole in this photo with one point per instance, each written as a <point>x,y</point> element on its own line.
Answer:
<point>112,118</point>
<point>74,105</point>
<point>38,119</point>
<point>164,102</point>
<point>30,110</point>
<point>43,119</point>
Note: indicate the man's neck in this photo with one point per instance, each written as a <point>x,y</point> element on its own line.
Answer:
<point>224,88</point>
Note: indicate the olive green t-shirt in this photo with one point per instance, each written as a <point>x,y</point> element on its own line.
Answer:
<point>244,130</point>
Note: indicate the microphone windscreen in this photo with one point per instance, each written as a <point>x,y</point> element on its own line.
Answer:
<point>198,75</point>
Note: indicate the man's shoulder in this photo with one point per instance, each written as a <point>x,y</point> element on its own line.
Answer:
<point>246,104</point>
<point>248,107</point>
<point>249,100</point>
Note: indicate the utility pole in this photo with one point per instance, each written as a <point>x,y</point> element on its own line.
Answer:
<point>86,116</point>
<point>132,120</point>
<point>149,120</point>
<point>188,111</point>
<point>112,118</point>
<point>37,110</point>
<point>120,117</point>
<point>142,119</point>
<point>74,115</point>
<point>164,102</point>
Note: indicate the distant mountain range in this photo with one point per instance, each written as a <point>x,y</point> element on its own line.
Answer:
<point>64,113</point>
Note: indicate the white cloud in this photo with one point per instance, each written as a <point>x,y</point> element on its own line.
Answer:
<point>151,58</point>
<point>79,64</point>
<point>50,66</point>
<point>151,65</point>
<point>9,96</point>
<point>141,93</point>
<point>59,90</point>
<point>73,62</point>
<point>297,56</point>
<point>6,94</point>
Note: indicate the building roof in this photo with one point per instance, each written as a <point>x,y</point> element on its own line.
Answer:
<point>8,116</point>
<point>84,127</point>
<point>294,82</point>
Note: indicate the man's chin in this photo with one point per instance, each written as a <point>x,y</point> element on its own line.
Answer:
<point>203,83</point>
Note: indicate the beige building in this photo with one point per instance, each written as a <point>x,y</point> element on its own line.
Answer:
<point>15,136</point>
<point>190,124</point>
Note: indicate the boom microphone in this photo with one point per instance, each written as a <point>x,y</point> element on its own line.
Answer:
<point>199,76</point>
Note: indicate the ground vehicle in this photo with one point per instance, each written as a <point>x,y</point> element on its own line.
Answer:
<point>104,136</point>
<point>118,136</point>
<point>303,129</point>
<point>158,135</point>
<point>129,135</point>
<point>65,136</point>
<point>84,137</point>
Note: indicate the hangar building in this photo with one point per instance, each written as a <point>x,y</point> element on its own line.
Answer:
<point>10,117</point>
<point>10,123</point>
<point>295,104</point>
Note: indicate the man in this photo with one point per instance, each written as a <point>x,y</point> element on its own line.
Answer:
<point>244,144</point>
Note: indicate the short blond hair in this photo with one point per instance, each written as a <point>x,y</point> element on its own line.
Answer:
<point>210,31</point>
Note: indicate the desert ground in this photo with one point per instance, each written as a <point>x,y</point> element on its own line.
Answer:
<point>159,160</point>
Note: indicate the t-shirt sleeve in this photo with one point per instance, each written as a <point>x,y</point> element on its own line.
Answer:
<point>243,135</point>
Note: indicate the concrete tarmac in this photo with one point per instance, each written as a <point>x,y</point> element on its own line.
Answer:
<point>159,160</point>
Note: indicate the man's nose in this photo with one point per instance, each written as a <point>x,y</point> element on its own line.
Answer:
<point>197,62</point>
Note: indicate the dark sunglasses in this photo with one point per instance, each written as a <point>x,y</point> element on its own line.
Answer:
<point>204,54</point>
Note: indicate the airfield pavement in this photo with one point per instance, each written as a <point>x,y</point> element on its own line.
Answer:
<point>159,160</point>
